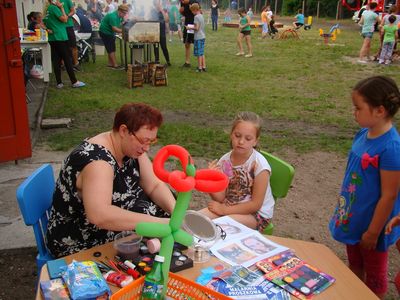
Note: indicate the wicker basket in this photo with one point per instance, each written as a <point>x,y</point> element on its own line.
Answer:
<point>178,288</point>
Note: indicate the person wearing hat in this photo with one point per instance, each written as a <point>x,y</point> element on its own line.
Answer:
<point>111,24</point>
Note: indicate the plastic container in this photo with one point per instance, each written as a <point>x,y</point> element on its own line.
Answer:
<point>178,288</point>
<point>127,244</point>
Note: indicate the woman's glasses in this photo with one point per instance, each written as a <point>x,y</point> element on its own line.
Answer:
<point>147,143</point>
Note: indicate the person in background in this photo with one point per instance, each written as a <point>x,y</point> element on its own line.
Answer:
<point>110,7</point>
<point>69,26</point>
<point>390,35</point>
<point>110,25</point>
<point>199,37</point>
<point>94,10</point>
<point>299,19</point>
<point>385,21</point>
<point>188,34</point>
<point>214,14</point>
<point>35,21</point>
<point>264,21</point>
<point>174,21</point>
<point>395,221</point>
<point>244,33</point>
<point>107,184</point>
<point>161,16</point>
<point>250,13</point>
<point>55,20</point>
<point>227,16</point>
<point>369,195</point>
<point>368,20</point>
<point>248,198</point>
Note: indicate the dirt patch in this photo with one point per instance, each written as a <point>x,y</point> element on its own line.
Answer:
<point>303,214</point>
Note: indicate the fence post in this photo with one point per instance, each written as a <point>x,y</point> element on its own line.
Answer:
<point>276,6</point>
<point>302,8</point>
<point>318,10</point>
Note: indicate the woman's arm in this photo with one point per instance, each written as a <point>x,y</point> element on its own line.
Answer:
<point>390,186</point>
<point>63,18</point>
<point>260,186</point>
<point>157,190</point>
<point>96,185</point>
<point>116,29</point>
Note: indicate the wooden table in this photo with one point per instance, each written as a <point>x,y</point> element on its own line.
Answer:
<point>46,55</point>
<point>346,286</point>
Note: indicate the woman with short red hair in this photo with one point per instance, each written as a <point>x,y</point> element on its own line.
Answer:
<point>107,184</point>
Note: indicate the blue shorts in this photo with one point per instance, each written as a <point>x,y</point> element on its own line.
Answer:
<point>366,35</point>
<point>199,47</point>
<point>265,28</point>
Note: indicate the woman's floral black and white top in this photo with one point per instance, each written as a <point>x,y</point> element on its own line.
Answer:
<point>69,230</point>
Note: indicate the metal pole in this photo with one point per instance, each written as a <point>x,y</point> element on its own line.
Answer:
<point>276,6</point>
<point>302,8</point>
<point>318,9</point>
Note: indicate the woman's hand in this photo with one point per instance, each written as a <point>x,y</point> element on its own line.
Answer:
<point>369,240</point>
<point>392,223</point>
<point>216,207</point>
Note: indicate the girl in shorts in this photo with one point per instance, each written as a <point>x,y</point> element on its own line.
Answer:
<point>244,33</point>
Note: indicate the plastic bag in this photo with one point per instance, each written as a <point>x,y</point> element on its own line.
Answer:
<point>85,281</point>
<point>37,71</point>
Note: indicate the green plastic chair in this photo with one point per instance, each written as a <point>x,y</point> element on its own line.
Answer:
<point>280,180</point>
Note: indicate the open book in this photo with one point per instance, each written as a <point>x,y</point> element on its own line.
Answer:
<point>242,245</point>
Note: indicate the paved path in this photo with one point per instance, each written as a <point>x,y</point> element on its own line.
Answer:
<point>13,231</point>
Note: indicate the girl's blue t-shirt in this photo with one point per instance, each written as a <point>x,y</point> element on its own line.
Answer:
<point>361,188</point>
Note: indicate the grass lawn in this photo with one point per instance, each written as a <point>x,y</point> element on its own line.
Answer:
<point>301,88</point>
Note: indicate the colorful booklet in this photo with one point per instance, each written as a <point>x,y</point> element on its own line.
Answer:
<point>295,275</point>
<point>54,289</point>
<point>242,245</point>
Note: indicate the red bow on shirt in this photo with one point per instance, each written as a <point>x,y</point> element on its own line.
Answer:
<point>366,160</point>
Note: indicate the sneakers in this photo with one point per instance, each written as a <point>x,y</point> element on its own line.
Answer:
<point>198,70</point>
<point>239,53</point>
<point>248,55</point>
<point>360,61</point>
<point>60,85</point>
<point>78,84</point>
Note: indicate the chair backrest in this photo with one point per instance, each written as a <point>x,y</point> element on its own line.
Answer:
<point>35,196</point>
<point>281,177</point>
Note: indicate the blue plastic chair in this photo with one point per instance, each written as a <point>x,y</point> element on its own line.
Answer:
<point>35,196</point>
<point>280,180</point>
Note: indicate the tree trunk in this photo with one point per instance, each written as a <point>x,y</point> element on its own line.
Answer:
<point>398,6</point>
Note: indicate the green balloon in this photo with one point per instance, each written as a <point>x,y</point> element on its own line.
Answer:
<point>182,204</point>
<point>183,237</point>
<point>167,245</point>
<point>153,229</point>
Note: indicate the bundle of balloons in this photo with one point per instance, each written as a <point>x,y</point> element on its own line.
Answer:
<point>205,180</point>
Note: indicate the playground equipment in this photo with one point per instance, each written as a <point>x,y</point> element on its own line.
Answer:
<point>355,5</point>
<point>292,32</point>
<point>333,32</point>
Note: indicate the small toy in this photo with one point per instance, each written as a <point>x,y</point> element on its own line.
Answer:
<point>333,32</point>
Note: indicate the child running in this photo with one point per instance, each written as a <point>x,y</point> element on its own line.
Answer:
<point>244,32</point>
<point>370,189</point>
<point>248,198</point>
<point>199,37</point>
<point>389,227</point>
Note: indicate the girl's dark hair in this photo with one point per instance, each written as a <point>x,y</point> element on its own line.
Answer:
<point>32,15</point>
<point>136,115</point>
<point>380,90</point>
<point>241,10</point>
<point>392,19</point>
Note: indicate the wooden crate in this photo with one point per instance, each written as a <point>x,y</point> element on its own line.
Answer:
<point>159,75</point>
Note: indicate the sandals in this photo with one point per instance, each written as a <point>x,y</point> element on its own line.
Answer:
<point>239,53</point>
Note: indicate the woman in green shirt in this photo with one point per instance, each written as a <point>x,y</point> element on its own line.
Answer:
<point>110,25</point>
<point>55,22</point>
